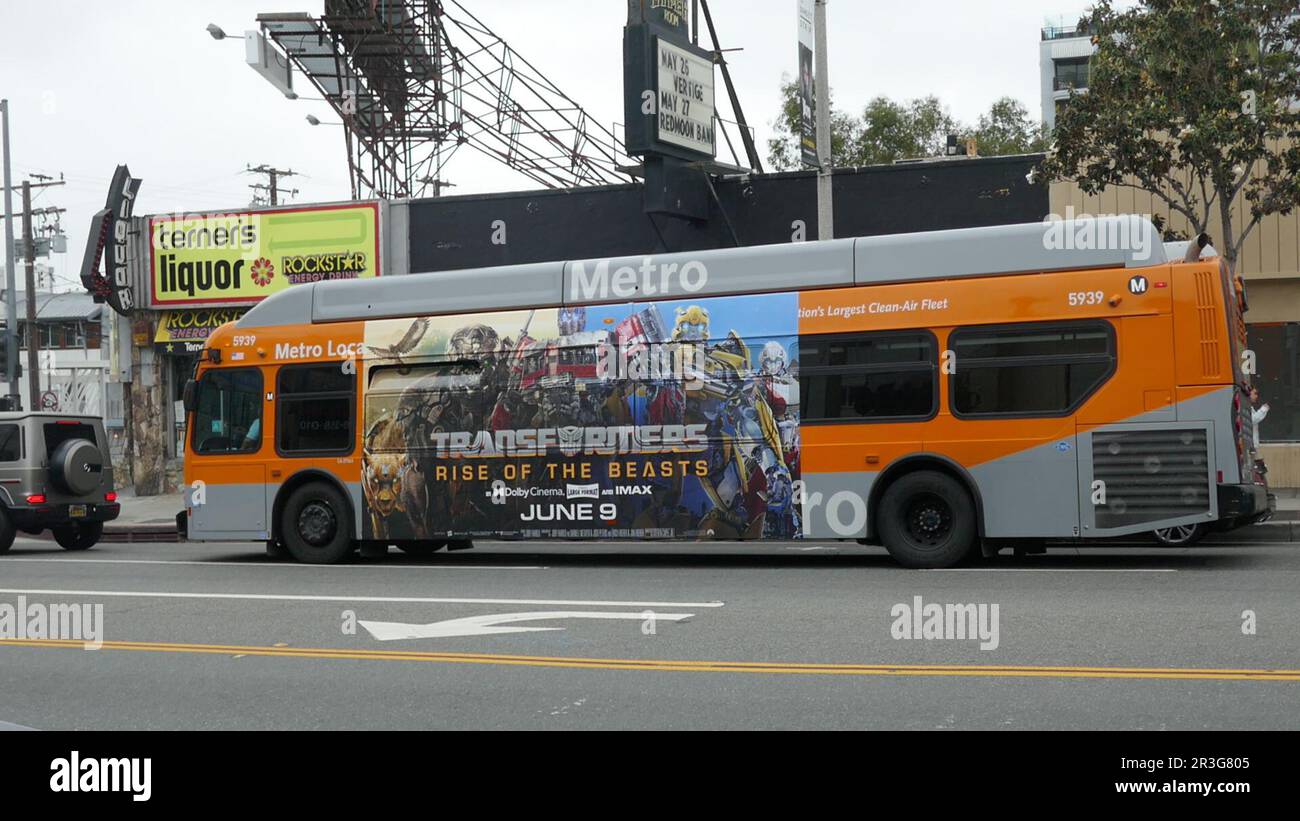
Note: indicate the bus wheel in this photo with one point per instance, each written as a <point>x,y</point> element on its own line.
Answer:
<point>421,548</point>
<point>316,525</point>
<point>927,519</point>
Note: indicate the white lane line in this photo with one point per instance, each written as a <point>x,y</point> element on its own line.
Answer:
<point>285,564</point>
<point>148,594</point>
<point>1051,570</point>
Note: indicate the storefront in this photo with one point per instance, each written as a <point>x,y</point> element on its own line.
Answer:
<point>196,272</point>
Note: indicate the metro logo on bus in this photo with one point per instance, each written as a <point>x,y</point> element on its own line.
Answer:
<point>600,284</point>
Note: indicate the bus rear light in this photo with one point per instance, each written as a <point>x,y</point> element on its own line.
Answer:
<point>1218,477</point>
<point>110,497</point>
<point>36,499</point>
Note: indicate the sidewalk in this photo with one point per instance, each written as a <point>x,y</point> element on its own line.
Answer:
<point>145,518</point>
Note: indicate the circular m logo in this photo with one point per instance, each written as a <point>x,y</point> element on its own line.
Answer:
<point>1137,285</point>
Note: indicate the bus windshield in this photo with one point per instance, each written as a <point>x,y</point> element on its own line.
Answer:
<point>229,414</point>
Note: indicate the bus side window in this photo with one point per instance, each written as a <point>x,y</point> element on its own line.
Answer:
<point>868,377</point>
<point>315,410</point>
<point>1032,369</point>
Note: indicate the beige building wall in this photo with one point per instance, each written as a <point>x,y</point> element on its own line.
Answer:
<point>1269,262</point>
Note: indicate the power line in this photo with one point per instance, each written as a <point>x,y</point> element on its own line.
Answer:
<point>272,185</point>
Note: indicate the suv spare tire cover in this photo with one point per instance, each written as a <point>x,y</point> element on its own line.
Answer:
<point>77,466</point>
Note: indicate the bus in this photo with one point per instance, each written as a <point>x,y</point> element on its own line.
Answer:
<point>944,394</point>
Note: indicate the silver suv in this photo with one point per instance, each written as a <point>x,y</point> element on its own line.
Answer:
<point>55,473</point>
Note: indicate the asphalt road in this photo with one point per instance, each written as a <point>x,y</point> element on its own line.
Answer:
<point>794,635</point>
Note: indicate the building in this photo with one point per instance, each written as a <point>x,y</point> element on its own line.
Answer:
<point>1063,56</point>
<point>72,349</point>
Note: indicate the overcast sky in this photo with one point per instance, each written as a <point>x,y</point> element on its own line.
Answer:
<point>95,84</point>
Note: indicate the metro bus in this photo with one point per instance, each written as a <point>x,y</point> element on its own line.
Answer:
<point>944,394</point>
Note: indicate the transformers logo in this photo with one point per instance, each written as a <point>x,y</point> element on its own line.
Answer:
<point>572,441</point>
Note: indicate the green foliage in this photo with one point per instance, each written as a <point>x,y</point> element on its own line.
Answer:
<point>888,130</point>
<point>1193,101</point>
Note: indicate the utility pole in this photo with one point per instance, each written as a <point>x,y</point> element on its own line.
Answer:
<point>272,186</point>
<point>11,307</point>
<point>33,332</point>
<point>825,198</point>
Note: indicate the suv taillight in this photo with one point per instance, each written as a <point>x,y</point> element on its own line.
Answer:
<point>36,499</point>
<point>110,497</point>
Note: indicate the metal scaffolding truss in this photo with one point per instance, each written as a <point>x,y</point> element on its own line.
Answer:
<point>415,80</point>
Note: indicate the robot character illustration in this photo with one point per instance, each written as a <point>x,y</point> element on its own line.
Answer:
<point>749,484</point>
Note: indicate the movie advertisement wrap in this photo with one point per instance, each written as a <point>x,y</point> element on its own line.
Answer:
<point>226,259</point>
<point>677,419</point>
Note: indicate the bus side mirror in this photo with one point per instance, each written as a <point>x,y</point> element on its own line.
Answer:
<point>190,397</point>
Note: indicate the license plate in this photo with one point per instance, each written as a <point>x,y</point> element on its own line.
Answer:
<point>77,511</point>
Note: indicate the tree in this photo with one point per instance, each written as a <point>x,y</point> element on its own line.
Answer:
<point>1194,102</point>
<point>783,150</point>
<point>1007,129</point>
<point>887,131</point>
<point>890,131</point>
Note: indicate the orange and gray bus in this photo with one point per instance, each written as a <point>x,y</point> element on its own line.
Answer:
<point>942,394</point>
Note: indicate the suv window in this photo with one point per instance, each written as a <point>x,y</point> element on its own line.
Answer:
<point>56,433</point>
<point>11,443</point>
<point>229,415</point>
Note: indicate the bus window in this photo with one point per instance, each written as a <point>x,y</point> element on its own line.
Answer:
<point>867,377</point>
<point>229,415</point>
<point>1030,370</point>
<point>315,410</point>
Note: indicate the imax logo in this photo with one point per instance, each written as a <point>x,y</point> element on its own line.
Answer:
<point>598,282</point>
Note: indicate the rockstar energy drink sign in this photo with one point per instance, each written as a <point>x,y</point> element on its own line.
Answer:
<point>186,330</point>
<point>228,259</point>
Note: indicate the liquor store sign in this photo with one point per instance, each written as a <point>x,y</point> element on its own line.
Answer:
<point>187,330</point>
<point>234,258</point>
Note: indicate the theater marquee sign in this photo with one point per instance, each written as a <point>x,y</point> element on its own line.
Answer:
<point>240,258</point>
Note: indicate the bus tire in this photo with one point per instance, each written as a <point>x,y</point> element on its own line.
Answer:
<point>421,548</point>
<point>927,519</point>
<point>316,525</point>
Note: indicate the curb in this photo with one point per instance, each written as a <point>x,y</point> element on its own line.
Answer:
<point>130,533</point>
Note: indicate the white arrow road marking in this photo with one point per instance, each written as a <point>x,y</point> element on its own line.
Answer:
<point>488,625</point>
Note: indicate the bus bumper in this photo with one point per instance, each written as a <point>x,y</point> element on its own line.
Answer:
<point>1241,505</point>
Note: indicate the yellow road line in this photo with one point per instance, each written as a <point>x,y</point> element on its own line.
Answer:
<point>670,665</point>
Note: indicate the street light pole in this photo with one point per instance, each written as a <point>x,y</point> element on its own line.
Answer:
<point>825,198</point>
<point>11,300</point>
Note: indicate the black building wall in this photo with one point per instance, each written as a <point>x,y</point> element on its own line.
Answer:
<point>458,232</point>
